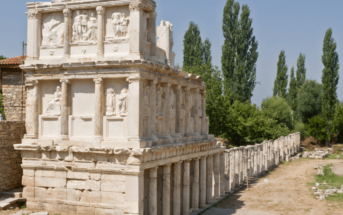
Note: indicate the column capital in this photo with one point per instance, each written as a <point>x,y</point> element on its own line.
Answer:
<point>135,79</point>
<point>152,15</point>
<point>211,155</point>
<point>97,80</point>
<point>66,12</point>
<point>203,157</point>
<point>100,10</point>
<point>64,81</point>
<point>187,161</point>
<point>196,159</point>
<point>155,81</point>
<point>179,87</point>
<point>178,163</point>
<point>33,15</point>
<point>168,85</point>
<point>136,6</point>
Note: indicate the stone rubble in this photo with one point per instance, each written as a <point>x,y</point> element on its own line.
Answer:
<point>318,153</point>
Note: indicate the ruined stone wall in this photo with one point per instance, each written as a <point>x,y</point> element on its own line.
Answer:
<point>12,91</point>
<point>10,160</point>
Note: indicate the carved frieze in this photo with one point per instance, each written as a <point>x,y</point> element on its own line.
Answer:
<point>120,27</point>
<point>85,27</point>
<point>53,30</point>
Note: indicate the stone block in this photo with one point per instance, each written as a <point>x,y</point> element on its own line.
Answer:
<point>40,194</point>
<point>28,181</point>
<point>85,210</point>
<point>60,194</point>
<point>51,174</point>
<point>112,197</point>
<point>78,175</point>
<point>114,186</point>
<point>84,185</point>
<point>28,192</point>
<point>73,195</point>
<point>101,211</point>
<point>50,182</point>
<point>67,209</point>
<point>113,177</point>
<point>90,196</point>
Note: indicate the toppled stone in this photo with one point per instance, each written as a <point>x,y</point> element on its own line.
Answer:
<point>320,172</point>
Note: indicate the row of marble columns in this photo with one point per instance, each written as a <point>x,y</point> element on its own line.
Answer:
<point>243,163</point>
<point>207,185</point>
<point>136,41</point>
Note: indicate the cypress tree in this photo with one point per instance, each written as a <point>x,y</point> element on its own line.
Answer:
<point>192,47</point>
<point>239,52</point>
<point>207,58</point>
<point>329,79</point>
<point>293,92</point>
<point>301,71</point>
<point>281,80</point>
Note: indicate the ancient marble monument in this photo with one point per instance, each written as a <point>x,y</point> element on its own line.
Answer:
<point>112,126</point>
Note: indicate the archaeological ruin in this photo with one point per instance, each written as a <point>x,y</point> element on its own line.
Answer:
<point>112,127</point>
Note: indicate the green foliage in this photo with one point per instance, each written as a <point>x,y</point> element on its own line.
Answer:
<point>300,127</point>
<point>338,122</point>
<point>281,80</point>
<point>330,78</point>
<point>2,57</point>
<point>279,110</point>
<point>239,52</point>
<point>317,128</point>
<point>293,93</point>
<point>301,71</point>
<point>2,109</point>
<point>310,100</point>
<point>192,47</point>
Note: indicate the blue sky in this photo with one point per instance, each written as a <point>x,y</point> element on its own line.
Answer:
<point>293,25</point>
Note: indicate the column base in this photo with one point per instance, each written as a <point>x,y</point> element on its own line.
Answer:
<point>66,56</point>
<point>202,206</point>
<point>63,137</point>
<point>97,138</point>
<point>30,136</point>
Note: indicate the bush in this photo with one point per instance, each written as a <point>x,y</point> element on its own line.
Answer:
<point>300,127</point>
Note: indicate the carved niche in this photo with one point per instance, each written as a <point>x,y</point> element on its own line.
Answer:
<point>53,30</point>
<point>85,27</point>
<point>123,102</point>
<point>54,106</point>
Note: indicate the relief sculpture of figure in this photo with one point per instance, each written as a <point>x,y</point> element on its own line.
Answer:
<point>123,102</point>
<point>172,99</point>
<point>77,27</point>
<point>124,22</point>
<point>146,93</point>
<point>111,102</point>
<point>159,98</point>
<point>116,24</point>
<point>54,107</point>
<point>92,28</point>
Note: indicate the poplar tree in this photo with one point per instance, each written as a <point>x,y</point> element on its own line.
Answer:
<point>281,80</point>
<point>293,92</point>
<point>207,57</point>
<point>192,47</point>
<point>329,80</point>
<point>301,71</point>
<point>239,52</point>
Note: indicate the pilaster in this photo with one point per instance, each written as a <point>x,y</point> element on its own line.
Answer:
<point>67,33</point>
<point>101,30</point>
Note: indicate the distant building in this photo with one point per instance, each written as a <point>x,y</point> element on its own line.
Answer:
<point>12,88</point>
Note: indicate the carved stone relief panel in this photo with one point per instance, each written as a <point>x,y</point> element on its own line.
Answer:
<point>52,30</point>
<point>54,106</point>
<point>117,25</point>
<point>115,97</point>
<point>84,27</point>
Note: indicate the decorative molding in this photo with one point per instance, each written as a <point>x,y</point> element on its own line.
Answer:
<point>136,6</point>
<point>66,12</point>
<point>100,10</point>
<point>97,80</point>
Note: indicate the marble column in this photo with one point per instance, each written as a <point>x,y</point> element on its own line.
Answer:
<point>261,159</point>
<point>216,167</point>
<point>196,113</point>
<point>195,185</point>
<point>152,32</point>
<point>226,175</point>
<point>203,183</point>
<point>67,33</point>
<point>209,181</point>
<point>232,169</point>
<point>166,190</point>
<point>249,162</point>
<point>153,191</point>
<point>64,110</point>
<point>203,118</point>
<point>167,108</point>
<point>186,119</point>
<point>244,165</point>
<point>31,35</point>
<point>153,110</point>
<point>32,124</point>
<point>177,189</point>
<point>237,182</point>
<point>37,35</point>
<point>186,187</point>
<point>101,30</point>
<point>98,111</point>
<point>177,111</point>
<point>134,112</point>
<point>255,161</point>
<point>222,174</point>
<point>136,28</point>
<point>241,165</point>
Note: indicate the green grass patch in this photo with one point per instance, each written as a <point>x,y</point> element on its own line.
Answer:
<point>308,150</point>
<point>335,156</point>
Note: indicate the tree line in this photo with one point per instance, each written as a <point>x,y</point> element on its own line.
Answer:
<point>297,104</point>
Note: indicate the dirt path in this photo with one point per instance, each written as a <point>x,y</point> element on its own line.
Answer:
<point>286,193</point>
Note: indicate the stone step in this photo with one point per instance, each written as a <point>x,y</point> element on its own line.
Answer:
<point>7,202</point>
<point>15,193</point>
<point>30,213</point>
